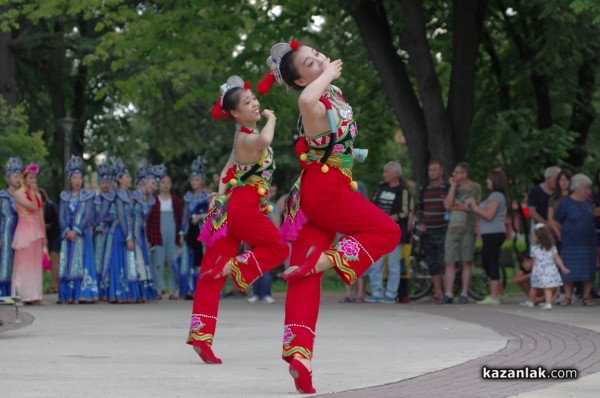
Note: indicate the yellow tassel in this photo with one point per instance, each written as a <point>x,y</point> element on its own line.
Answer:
<point>303,157</point>
<point>262,191</point>
<point>354,186</point>
<point>325,168</point>
<point>233,181</point>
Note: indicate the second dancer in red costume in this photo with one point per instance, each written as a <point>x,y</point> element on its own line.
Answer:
<point>238,214</point>
<point>323,201</point>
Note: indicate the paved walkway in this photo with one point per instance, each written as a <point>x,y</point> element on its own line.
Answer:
<point>376,350</point>
<point>531,342</point>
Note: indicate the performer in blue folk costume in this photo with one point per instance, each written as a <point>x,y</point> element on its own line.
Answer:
<point>120,281</point>
<point>195,207</point>
<point>142,202</point>
<point>8,222</point>
<point>77,271</point>
<point>105,213</point>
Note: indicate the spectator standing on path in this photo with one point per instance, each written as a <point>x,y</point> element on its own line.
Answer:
<point>492,213</point>
<point>578,236</point>
<point>356,292</point>
<point>142,201</point>
<point>29,239</point>
<point>8,222</point>
<point>195,208</point>
<point>562,189</point>
<point>596,201</point>
<point>546,264</point>
<point>77,277</point>
<point>538,199</point>
<point>393,199</point>
<point>434,225</point>
<point>104,212</point>
<point>460,239</point>
<point>164,224</point>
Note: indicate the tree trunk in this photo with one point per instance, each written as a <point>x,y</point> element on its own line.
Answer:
<point>583,111</point>
<point>495,65</point>
<point>439,130</point>
<point>526,53</point>
<point>467,26</point>
<point>370,18</point>
<point>55,77</point>
<point>8,81</point>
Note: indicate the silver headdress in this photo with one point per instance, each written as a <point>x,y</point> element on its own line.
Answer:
<point>119,168</point>
<point>74,165</point>
<point>158,171</point>
<point>105,172</point>
<point>142,173</point>
<point>274,61</point>
<point>198,167</point>
<point>14,165</point>
<point>278,51</point>
<point>233,82</point>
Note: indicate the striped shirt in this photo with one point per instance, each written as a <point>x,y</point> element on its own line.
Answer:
<point>432,206</point>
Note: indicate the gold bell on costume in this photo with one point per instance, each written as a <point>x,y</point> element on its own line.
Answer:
<point>261,191</point>
<point>325,168</point>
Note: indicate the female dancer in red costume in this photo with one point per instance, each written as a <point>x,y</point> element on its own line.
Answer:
<point>238,214</point>
<point>323,201</point>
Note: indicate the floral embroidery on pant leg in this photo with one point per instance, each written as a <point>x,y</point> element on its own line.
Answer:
<point>196,323</point>
<point>349,248</point>
<point>243,258</point>
<point>288,335</point>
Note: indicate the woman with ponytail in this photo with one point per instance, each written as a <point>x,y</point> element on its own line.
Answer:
<point>29,239</point>
<point>323,201</point>
<point>238,214</point>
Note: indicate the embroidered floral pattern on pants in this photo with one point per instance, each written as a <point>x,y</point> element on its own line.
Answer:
<point>349,248</point>
<point>196,324</point>
<point>243,258</point>
<point>288,336</point>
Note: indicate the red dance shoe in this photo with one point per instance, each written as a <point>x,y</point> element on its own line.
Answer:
<point>206,353</point>
<point>302,377</point>
<point>306,269</point>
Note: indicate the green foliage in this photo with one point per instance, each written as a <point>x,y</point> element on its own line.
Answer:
<point>153,70</point>
<point>550,41</point>
<point>511,142</point>
<point>591,7</point>
<point>15,138</point>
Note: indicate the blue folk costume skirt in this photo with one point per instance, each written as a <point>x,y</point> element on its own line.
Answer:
<point>120,282</point>
<point>77,272</point>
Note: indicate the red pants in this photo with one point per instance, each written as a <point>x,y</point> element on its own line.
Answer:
<point>245,223</point>
<point>331,206</point>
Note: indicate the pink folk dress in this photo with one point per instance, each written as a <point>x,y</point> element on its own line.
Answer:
<point>28,246</point>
